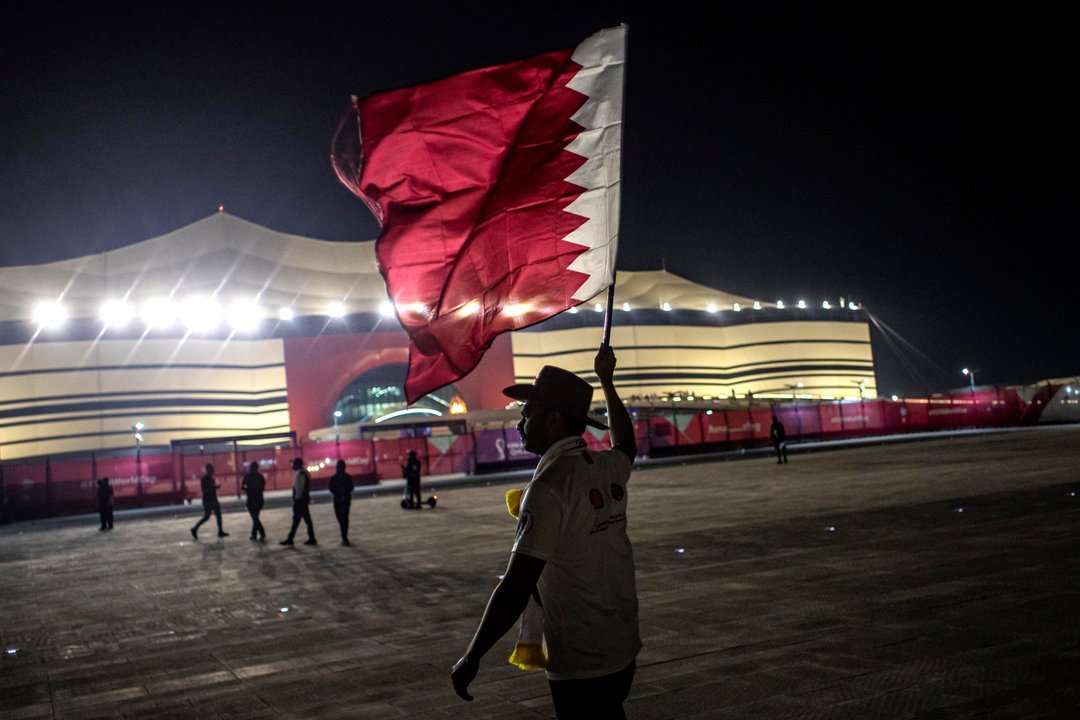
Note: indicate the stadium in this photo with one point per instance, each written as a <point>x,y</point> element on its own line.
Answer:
<point>224,328</point>
<point>225,341</point>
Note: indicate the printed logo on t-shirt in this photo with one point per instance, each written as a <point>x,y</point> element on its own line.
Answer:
<point>596,498</point>
<point>617,491</point>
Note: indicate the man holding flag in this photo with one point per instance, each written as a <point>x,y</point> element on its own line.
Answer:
<point>572,547</point>
<point>497,191</point>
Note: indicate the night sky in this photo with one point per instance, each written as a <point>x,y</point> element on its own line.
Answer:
<point>914,160</point>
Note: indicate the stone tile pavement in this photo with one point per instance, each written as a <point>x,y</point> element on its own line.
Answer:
<point>937,579</point>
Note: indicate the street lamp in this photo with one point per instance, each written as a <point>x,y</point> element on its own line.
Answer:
<point>971,377</point>
<point>137,429</point>
<point>337,436</point>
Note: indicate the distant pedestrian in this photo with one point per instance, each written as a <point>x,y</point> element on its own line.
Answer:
<point>778,438</point>
<point>105,503</point>
<point>411,471</point>
<point>254,484</point>
<point>341,487</point>
<point>301,500</point>
<point>210,502</point>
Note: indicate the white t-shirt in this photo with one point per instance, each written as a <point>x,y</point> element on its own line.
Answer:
<point>573,516</point>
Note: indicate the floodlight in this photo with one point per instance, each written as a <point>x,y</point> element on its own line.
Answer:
<point>711,307</point>
<point>335,309</point>
<point>386,309</point>
<point>159,313</point>
<point>780,304</point>
<point>245,315</point>
<point>598,307</point>
<point>626,307</point>
<point>736,307</point>
<point>50,315</point>
<point>200,314</point>
<point>286,314</point>
<point>115,313</point>
<point>666,307</point>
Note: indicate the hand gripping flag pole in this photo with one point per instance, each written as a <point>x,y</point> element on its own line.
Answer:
<point>497,191</point>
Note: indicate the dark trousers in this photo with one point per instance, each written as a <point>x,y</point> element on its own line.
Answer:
<point>412,490</point>
<point>300,511</point>
<point>781,451</point>
<point>254,508</point>
<point>593,699</point>
<point>341,512</point>
<point>106,517</point>
<point>215,509</point>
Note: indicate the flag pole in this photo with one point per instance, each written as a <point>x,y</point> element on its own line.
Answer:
<point>622,143</point>
<point>610,309</point>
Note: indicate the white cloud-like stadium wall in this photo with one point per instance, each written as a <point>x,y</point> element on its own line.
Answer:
<point>81,387</point>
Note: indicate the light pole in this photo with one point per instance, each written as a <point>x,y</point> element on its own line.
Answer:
<point>337,435</point>
<point>971,377</point>
<point>137,429</point>
<point>795,400</point>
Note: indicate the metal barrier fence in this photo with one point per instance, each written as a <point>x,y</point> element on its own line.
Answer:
<point>49,487</point>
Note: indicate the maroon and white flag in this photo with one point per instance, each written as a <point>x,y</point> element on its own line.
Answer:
<point>497,191</point>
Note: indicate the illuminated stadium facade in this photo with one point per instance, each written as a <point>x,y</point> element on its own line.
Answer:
<point>225,329</point>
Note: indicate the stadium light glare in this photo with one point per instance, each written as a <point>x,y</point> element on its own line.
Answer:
<point>159,313</point>
<point>757,305</point>
<point>286,314</point>
<point>736,307</point>
<point>50,315</point>
<point>573,310</point>
<point>826,305</point>
<point>516,309</point>
<point>802,304</point>
<point>626,307</point>
<point>711,307</point>
<point>780,304</point>
<point>470,308</point>
<point>852,306</point>
<point>335,310</point>
<point>666,307</point>
<point>201,314</point>
<point>598,308</point>
<point>245,315</point>
<point>115,313</point>
<point>386,309</point>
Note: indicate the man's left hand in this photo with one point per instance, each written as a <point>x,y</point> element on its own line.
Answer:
<point>462,675</point>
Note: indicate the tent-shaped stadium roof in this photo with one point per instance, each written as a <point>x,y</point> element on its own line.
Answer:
<point>234,259</point>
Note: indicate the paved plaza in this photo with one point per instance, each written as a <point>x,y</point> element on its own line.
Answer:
<point>938,579</point>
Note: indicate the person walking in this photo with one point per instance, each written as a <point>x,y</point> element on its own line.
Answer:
<point>254,484</point>
<point>301,501</point>
<point>571,547</point>
<point>341,487</point>
<point>778,438</point>
<point>210,502</point>
<point>411,471</point>
<point>105,503</point>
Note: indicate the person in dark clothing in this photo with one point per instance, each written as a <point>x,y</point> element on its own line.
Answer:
<point>254,484</point>
<point>105,503</point>
<point>210,503</point>
<point>411,472</point>
<point>301,500</point>
<point>341,487</point>
<point>778,438</point>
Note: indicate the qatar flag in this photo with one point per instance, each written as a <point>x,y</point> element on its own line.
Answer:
<point>497,192</point>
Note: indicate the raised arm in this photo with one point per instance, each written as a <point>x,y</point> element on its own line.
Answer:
<point>622,427</point>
